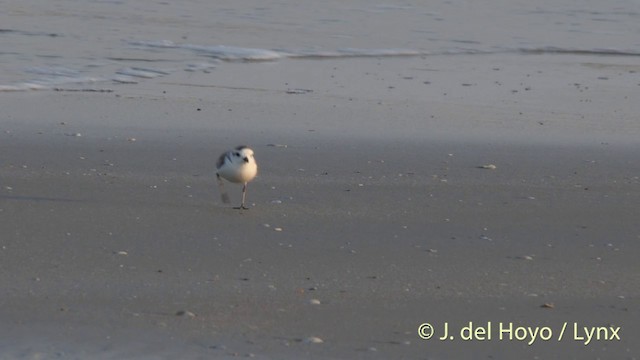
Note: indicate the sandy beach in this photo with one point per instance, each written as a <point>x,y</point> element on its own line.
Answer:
<point>492,191</point>
<point>116,244</point>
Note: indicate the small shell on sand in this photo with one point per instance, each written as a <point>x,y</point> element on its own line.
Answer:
<point>314,302</point>
<point>185,313</point>
<point>548,306</point>
<point>299,91</point>
<point>313,340</point>
<point>488,167</point>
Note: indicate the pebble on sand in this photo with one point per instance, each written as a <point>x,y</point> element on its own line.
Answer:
<point>314,302</point>
<point>488,167</point>
<point>548,306</point>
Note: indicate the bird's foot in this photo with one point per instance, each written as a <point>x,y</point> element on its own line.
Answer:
<point>241,207</point>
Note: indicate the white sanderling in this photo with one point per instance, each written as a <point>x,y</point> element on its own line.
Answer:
<point>237,166</point>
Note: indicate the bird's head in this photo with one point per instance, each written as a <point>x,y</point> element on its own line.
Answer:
<point>243,154</point>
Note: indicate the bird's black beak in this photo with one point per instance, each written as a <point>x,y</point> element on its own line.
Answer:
<point>246,159</point>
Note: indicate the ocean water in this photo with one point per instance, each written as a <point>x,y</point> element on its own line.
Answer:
<point>81,43</point>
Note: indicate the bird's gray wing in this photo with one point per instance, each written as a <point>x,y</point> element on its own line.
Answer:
<point>222,159</point>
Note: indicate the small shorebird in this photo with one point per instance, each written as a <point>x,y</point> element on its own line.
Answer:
<point>236,166</point>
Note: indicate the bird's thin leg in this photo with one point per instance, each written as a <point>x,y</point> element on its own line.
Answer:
<point>244,194</point>
<point>223,194</point>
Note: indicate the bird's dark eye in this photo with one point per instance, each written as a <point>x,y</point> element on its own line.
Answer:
<point>236,154</point>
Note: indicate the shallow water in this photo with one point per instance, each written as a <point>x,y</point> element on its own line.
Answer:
<point>71,43</point>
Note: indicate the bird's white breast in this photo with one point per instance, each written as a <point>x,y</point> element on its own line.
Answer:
<point>239,174</point>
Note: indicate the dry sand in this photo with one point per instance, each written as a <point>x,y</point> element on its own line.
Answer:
<point>371,200</point>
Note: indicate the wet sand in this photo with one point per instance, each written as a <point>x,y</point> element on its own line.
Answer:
<point>372,200</point>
